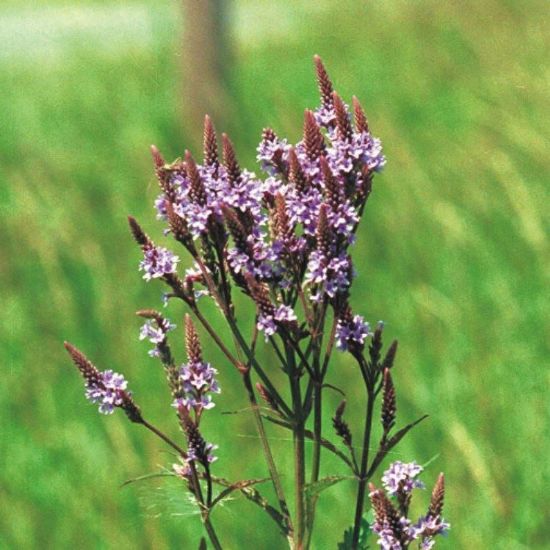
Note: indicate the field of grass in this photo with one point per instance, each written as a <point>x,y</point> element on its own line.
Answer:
<point>452,254</point>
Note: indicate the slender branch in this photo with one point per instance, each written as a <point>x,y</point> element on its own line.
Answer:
<point>164,437</point>
<point>215,337</point>
<point>204,510</point>
<point>299,447</point>
<point>363,470</point>
<point>277,485</point>
<point>212,533</point>
<point>324,442</point>
<point>257,367</point>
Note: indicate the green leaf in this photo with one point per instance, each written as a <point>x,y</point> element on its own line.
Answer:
<point>314,489</point>
<point>346,543</point>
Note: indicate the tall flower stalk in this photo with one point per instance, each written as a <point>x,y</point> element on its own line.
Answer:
<point>284,243</point>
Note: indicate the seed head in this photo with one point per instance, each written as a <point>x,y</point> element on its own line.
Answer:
<point>332,186</point>
<point>343,124</point>
<point>260,294</point>
<point>314,142</point>
<point>192,342</point>
<point>438,497</point>
<point>341,426</point>
<point>139,235</point>
<point>210,143</point>
<point>296,174</point>
<point>230,161</point>
<point>267,397</point>
<point>323,80</point>
<point>389,359</point>
<point>197,192</point>
<point>389,408</point>
<point>236,228</point>
<point>281,222</point>
<point>323,233</point>
<point>88,370</point>
<point>361,123</point>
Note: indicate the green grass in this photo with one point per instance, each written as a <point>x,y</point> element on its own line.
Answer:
<point>452,254</point>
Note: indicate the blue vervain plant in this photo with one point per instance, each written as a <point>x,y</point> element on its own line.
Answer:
<point>284,242</point>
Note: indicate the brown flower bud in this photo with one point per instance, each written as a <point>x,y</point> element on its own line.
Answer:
<point>314,142</point>
<point>323,80</point>
<point>230,161</point>
<point>210,143</point>
<point>361,123</point>
<point>389,407</point>
<point>192,342</point>
<point>343,124</point>
<point>438,497</point>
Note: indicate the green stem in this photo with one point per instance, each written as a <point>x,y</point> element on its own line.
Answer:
<point>212,533</point>
<point>275,478</point>
<point>298,433</point>
<point>363,478</point>
<point>317,431</point>
<point>204,512</point>
<point>164,437</point>
<point>256,366</point>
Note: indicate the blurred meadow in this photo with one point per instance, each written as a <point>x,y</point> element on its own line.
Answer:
<point>452,254</point>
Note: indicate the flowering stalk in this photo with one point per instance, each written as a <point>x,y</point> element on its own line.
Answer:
<point>109,389</point>
<point>285,243</point>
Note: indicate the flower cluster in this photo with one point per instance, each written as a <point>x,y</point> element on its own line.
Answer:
<point>351,330</point>
<point>284,241</point>
<point>400,476</point>
<point>198,450</point>
<point>394,529</point>
<point>199,383</point>
<point>155,330</point>
<point>290,231</point>
<point>157,261</point>
<point>108,390</point>
<point>197,378</point>
<point>106,387</point>
<point>267,322</point>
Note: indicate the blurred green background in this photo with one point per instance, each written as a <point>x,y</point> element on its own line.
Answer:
<point>452,254</point>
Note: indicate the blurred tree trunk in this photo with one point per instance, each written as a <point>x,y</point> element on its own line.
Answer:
<point>206,63</point>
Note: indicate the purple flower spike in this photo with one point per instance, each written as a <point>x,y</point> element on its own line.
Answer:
<point>198,382</point>
<point>400,477</point>
<point>158,261</point>
<point>355,331</point>
<point>108,390</point>
<point>155,330</point>
<point>267,323</point>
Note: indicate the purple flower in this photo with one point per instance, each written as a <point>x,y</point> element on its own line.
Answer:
<point>325,117</point>
<point>386,537</point>
<point>198,383</point>
<point>271,152</point>
<point>429,526</point>
<point>108,390</point>
<point>333,275</point>
<point>160,206</point>
<point>285,314</point>
<point>400,477</point>
<point>155,330</point>
<point>182,469</point>
<point>268,324</point>
<point>196,454</point>
<point>354,331</point>
<point>157,261</point>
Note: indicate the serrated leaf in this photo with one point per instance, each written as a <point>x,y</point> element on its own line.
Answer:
<point>347,542</point>
<point>313,490</point>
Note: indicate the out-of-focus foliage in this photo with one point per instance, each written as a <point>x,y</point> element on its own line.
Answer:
<point>452,255</point>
